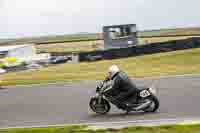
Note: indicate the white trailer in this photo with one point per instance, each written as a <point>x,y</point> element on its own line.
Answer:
<point>23,53</point>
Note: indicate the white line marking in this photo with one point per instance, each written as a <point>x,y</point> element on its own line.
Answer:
<point>173,76</point>
<point>136,122</point>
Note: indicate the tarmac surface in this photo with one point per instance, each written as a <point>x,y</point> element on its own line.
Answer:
<point>69,103</point>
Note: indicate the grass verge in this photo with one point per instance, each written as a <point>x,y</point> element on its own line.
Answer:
<point>81,129</point>
<point>85,46</point>
<point>172,63</point>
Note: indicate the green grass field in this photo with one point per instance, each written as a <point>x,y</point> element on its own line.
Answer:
<point>86,46</point>
<point>170,32</point>
<point>94,45</point>
<point>147,40</point>
<point>69,46</point>
<point>82,129</point>
<point>193,31</point>
<point>172,63</point>
<point>89,41</point>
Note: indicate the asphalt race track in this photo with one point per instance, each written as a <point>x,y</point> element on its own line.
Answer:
<point>68,103</point>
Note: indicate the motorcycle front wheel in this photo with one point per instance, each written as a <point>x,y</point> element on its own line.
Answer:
<point>99,108</point>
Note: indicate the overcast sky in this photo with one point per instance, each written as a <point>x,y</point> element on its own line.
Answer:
<point>20,18</point>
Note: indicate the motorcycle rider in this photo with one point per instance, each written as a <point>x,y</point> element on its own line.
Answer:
<point>122,89</point>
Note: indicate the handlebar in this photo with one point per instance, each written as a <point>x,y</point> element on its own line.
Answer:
<point>102,85</point>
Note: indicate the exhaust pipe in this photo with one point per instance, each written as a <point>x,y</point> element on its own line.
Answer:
<point>143,106</point>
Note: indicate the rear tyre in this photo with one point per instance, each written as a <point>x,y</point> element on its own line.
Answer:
<point>153,107</point>
<point>99,108</point>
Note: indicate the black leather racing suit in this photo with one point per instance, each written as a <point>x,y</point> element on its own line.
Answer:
<point>122,88</point>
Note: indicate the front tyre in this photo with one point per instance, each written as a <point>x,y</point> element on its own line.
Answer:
<point>153,107</point>
<point>99,108</point>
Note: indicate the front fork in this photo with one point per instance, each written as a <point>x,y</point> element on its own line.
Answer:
<point>99,100</point>
<point>98,97</point>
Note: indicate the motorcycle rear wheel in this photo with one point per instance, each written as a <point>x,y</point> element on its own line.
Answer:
<point>153,107</point>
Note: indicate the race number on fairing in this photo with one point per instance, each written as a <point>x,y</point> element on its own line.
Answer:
<point>145,93</point>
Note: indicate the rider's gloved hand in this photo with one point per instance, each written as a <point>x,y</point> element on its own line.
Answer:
<point>107,78</point>
<point>97,89</point>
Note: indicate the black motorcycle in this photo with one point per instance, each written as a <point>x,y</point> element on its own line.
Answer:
<point>146,100</point>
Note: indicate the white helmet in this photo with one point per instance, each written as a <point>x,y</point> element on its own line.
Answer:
<point>113,70</point>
